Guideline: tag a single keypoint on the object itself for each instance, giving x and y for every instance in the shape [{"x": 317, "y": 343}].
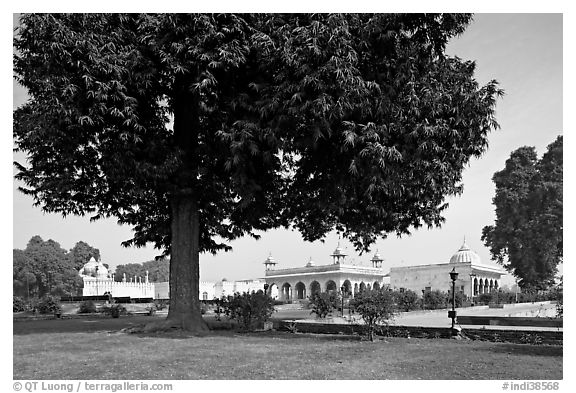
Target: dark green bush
[
  {"x": 376, "y": 307},
  {"x": 323, "y": 303},
  {"x": 485, "y": 298},
  {"x": 250, "y": 310},
  {"x": 436, "y": 299},
  {"x": 407, "y": 300},
  {"x": 49, "y": 305},
  {"x": 87, "y": 306},
  {"x": 19, "y": 304},
  {"x": 114, "y": 310}
]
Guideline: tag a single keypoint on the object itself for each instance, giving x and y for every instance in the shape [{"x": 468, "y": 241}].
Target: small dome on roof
[
  {"x": 270, "y": 259},
  {"x": 310, "y": 263},
  {"x": 377, "y": 256},
  {"x": 338, "y": 251},
  {"x": 465, "y": 255}
]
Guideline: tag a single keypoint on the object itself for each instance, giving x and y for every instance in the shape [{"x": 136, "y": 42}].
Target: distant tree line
[
  {"x": 45, "y": 268},
  {"x": 158, "y": 270}
]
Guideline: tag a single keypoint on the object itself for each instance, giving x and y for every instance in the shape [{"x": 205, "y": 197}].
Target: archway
[
  {"x": 355, "y": 289},
  {"x": 330, "y": 286},
  {"x": 300, "y": 290},
  {"x": 475, "y": 287},
  {"x": 347, "y": 287},
  {"x": 480, "y": 287},
  {"x": 286, "y": 292},
  {"x": 376, "y": 286},
  {"x": 486, "y": 287},
  {"x": 273, "y": 291},
  {"x": 362, "y": 287},
  {"x": 368, "y": 287},
  {"x": 491, "y": 286},
  {"x": 315, "y": 288}
]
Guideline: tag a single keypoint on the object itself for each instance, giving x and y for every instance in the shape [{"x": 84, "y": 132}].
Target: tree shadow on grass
[{"x": 525, "y": 349}]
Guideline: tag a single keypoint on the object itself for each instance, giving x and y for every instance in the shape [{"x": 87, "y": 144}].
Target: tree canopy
[
  {"x": 158, "y": 270},
  {"x": 527, "y": 235},
  {"x": 353, "y": 122},
  {"x": 45, "y": 268}
]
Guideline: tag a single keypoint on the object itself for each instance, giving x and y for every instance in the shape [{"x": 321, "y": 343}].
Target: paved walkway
[{"x": 439, "y": 318}]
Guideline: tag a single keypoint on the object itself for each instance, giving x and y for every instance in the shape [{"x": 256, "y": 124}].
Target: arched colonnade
[{"x": 303, "y": 289}]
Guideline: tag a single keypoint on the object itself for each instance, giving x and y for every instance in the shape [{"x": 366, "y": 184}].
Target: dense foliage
[
  {"x": 49, "y": 305},
  {"x": 376, "y": 307},
  {"x": 250, "y": 310},
  {"x": 45, "y": 268},
  {"x": 158, "y": 270},
  {"x": 353, "y": 122},
  {"x": 527, "y": 237},
  {"x": 323, "y": 303},
  {"x": 435, "y": 299},
  {"x": 407, "y": 300}
]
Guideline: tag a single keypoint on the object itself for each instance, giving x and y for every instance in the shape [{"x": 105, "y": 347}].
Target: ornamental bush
[
  {"x": 250, "y": 310},
  {"x": 407, "y": 300},
  {"x": 436, "y": 299},
  {"x": 323, "y": 303},
  {"x": 376, "y": 307},
  {"x": 49, "y": 305},
  {"x": 19, "y": 304},
  {"x": 87, "y": 306}
]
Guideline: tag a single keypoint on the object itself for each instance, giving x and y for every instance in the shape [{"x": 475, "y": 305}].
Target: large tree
[
  {"x": 527, "y": 235},
  {"x": 358, "y": 123},
  {"x": 82, "y": 253},
  {"x": 44, "y": 268}
]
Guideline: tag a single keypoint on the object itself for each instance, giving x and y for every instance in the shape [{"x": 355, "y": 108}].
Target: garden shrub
[
  {"x": 376, "y": 307},
  {"x": 407, "y": 300},
  {"x": 19, "y": 304},
  {"x": 114, "y": 310},
  {"x": 160, "y": 304},
  {"x": 250, "y": 310},
  {"x": 49, "y": 305},
  {"x": 323, "y": 303},
  {"x": 87, "y": 306},
  {"x": 485, "y": 298},
  {"x": 436, "y": 299}
]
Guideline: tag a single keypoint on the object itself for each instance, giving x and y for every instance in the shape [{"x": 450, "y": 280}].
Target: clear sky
[{"x": 522, "y": 51}]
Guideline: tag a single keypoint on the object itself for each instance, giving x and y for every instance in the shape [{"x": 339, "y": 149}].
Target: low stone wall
[{"x": 495, "y": 335}]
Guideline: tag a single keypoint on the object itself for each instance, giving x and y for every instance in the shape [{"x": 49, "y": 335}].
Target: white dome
[
  {"x": 465, "y": 255},
  {"x": 310, "y": 263},
  {"x": 94, "y": 269}
]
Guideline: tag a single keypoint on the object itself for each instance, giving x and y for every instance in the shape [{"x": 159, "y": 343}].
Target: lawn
[{"x": 95, "y": 349}]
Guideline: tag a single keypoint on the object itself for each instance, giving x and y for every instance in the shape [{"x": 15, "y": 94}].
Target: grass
[{"x": 95, "y": 349}]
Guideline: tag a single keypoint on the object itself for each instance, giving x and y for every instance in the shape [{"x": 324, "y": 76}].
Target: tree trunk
[{"x": 184, "y": 312}]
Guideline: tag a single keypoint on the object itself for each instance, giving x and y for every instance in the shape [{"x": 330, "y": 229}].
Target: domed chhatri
[
  {"x": 310, "y": 263},
  {"x": 94, "y": 269},
  {"x": 270, "y": 262},
  {"x": 338, "y": 255},
  {"x": 465, "y": 255}
]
